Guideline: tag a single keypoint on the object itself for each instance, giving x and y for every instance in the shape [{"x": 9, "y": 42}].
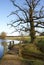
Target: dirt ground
[{"x": 11, "y": 60}]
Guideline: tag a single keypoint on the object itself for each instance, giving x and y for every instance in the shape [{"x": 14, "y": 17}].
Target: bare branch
[
  {"x": 39, "y": 26},
  {"x": 19, "y": 8},
  {"x": 16, "y": 21},
  {"x": 36, "y": 18},
  {"x": 37, "y": 31},
  {"x": 28, "y": 3},
  {"x": 36, "y": 3}
]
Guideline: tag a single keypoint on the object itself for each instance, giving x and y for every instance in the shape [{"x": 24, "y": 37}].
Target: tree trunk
[
  {"x": 32, "y": 29},
  {"x": 32, "y": 32}
]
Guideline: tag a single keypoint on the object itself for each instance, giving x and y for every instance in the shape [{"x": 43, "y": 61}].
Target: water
[
  {"x": 2, "y": 47},
  {"x": 15, "y": 41},
  {"x": 8, "y": 41},
  {"x": 1, "y": 51}
]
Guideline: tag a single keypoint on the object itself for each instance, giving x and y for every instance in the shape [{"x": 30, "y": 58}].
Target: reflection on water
[
  {"x": 4, "y": 45},
  {"x": 8, "y": 41},
  {"x": 1, "y": 41},
  {"x": 15, "y": 41},
  {"x": 1, "y": 51}
]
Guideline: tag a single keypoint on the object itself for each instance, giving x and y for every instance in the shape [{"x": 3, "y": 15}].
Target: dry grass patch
[{"x": 10, "y": 57}]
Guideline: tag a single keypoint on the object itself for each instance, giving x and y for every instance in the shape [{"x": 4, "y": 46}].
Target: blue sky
[{"x": 6, "y": 8}]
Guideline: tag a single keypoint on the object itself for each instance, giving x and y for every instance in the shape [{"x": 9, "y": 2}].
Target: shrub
[{"x": 41, "y": 45}]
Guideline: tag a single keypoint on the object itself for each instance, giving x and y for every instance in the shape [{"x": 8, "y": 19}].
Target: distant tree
[
  {"x": 4, "y": 43},
  {"x": 29, "y": 16},
  {"x": 3, "y": 35}
]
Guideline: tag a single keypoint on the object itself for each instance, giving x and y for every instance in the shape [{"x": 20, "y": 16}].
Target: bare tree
[{"x": 29, "y": 17}]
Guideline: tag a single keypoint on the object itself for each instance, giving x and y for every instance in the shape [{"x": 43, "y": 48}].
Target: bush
[
  {"x": 38, "y": 62},
  {"x": 41, "y": 45},
  {"x": 33, "y": 62},
  {"x": 31, "y": 48}
]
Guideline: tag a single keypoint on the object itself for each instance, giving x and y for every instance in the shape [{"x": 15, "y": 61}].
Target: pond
[
  {"x": 12, "y": 41},
  {"x": 2, "y": 48},
  {"x": 8, "y": 41},
  {"x": 1, "y": 51}
]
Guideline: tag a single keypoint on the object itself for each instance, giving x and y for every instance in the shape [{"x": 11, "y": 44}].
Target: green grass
[
  {"x": 31, "y": 48},
  {"x": 20, "y": 37},
  {"x": 40, "y": 45},
  {"x": 33, "y": 62}
]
